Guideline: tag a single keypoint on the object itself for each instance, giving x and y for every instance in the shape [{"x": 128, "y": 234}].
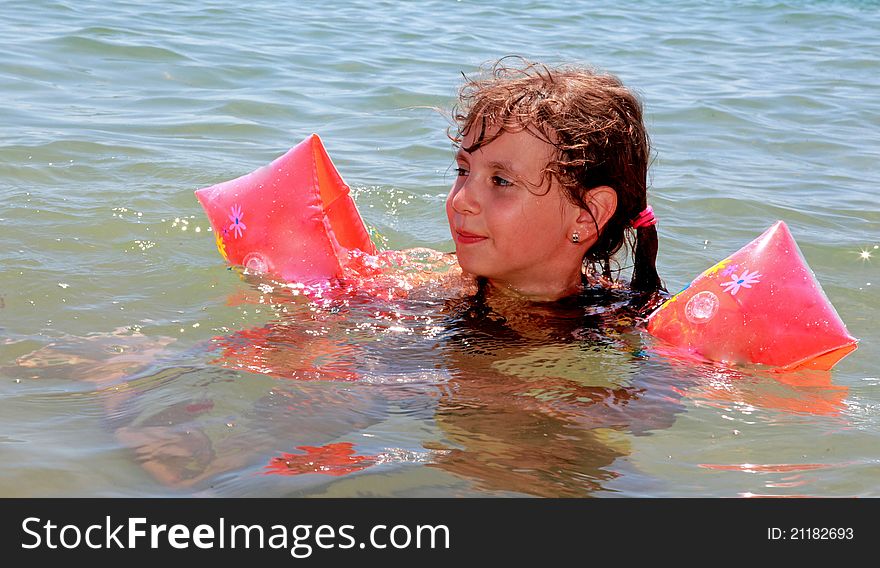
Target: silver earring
[{"x": 575, "y": 237}]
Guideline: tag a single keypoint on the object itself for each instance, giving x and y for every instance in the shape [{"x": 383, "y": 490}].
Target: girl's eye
[
  {"x": 461, "y": 172},
  {"x": 500, "y": 181}
]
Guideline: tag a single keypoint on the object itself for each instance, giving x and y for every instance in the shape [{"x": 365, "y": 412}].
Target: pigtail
[{"x": 645, "y": 277}]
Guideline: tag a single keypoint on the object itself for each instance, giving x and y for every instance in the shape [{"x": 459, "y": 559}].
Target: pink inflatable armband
[
  {"x": 293, "y": 218},
  {"x": 760, "y": 305}
]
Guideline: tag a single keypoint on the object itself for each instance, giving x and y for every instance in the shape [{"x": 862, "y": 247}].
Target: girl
[
  {"x": 552, "y": 167},
  {"x": 551, "y": 182}
]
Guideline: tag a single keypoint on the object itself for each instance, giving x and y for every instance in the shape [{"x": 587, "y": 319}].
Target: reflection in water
[
  {"x": 533, "y": 398},
  {"x": 518, "y": 398},
  {"x": 191, "y": 442},
  {"x": 801, "y": 391},
  {"x": 542, "y": 398},
  {"x": 331, "y": 459}
]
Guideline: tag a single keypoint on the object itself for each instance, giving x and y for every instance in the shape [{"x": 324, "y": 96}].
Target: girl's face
[{"x": 510, "y": 223}]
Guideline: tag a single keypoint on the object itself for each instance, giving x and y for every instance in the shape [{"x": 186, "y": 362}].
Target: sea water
[{"x": 134, "y": 362}]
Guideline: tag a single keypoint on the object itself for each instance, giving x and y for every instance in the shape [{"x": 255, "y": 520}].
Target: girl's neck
[{"x": 543, "y": 292}]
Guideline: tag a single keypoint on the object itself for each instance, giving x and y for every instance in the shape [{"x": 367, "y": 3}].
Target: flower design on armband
[
  {"x": 744, "y": 280},
  {"x": 237, "y": 227}
]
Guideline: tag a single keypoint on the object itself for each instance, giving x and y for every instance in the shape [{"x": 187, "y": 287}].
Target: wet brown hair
[{"x": 596, "y": 125}]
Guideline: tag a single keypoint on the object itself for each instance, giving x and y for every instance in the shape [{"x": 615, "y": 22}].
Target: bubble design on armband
[
  {"x": 256, "y": 264},
  {"x": 702, "y": 307}
]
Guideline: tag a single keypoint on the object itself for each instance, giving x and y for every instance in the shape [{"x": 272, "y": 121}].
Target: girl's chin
[{"x": 468, "y": 265}]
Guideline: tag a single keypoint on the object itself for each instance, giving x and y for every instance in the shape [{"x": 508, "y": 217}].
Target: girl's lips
[{"x": 468, "y": 238}]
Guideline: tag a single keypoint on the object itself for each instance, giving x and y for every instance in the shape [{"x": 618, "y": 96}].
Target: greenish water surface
[{"x": 133, "y": 362}]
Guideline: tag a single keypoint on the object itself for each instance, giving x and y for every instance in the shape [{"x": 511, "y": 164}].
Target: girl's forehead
[{"x": 522, "y": 146}]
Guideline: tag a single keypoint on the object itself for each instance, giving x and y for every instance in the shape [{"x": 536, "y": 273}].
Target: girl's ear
[{"x": 602, "y": 203}]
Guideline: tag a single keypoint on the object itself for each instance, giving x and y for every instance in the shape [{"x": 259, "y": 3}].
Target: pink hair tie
[{"x": 644, "y": 219}]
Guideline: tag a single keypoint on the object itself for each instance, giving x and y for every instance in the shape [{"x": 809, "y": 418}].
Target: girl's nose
[{"x": 464, "y": 199}]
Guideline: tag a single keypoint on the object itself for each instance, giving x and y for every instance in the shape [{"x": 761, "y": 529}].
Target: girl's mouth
[{"x": 466, "y": 238}]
